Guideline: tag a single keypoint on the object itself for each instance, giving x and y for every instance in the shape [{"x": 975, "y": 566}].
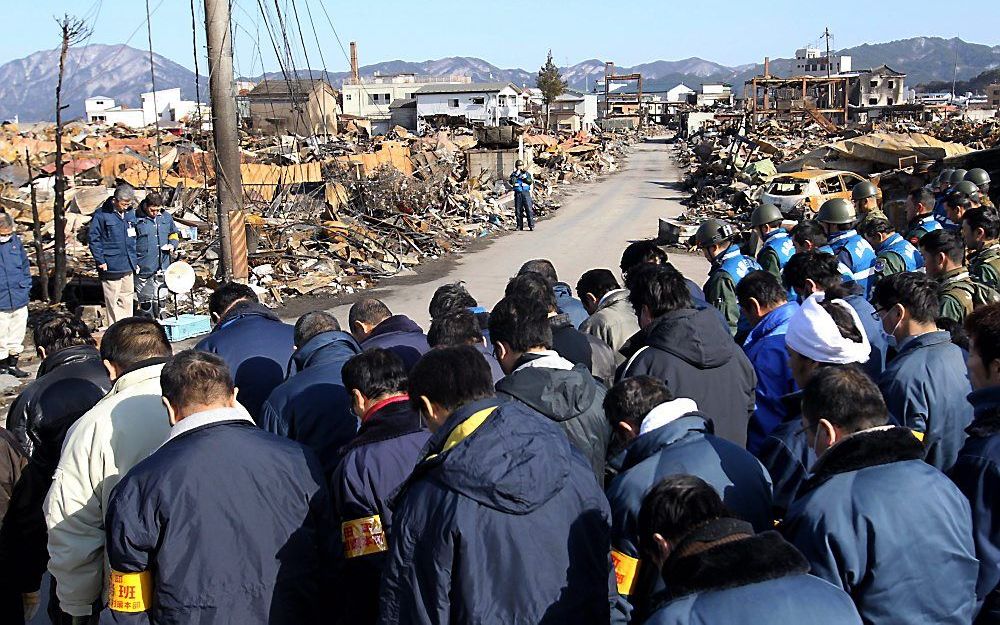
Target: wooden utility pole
[
  {"x": 73, "y": 31},
  {"x": 229, "y": 185},
  {"x": 36, "y": 228}
]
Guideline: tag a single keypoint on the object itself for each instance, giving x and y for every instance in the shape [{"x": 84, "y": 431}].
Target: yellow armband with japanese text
[
  {"x": 626, "y": 568},
  {"x": 130, "y": 592}
]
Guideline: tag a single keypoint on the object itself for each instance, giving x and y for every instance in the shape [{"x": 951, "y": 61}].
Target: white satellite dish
[{"x": 179, "y": 277}]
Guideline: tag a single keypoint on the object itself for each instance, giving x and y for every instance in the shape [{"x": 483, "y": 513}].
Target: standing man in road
[
  {"x": 920, "y": 215},
  {"x": 959, "y": 294},
  {"x": 112, "y": 243},
  {"x": 893, "y": 253},
  {"x": 715, "y": 240},
  {"x": 776, "y": 244},
  {"x": 15, "y": 284},
  {"x": 521, "y": 180},
  {"x": 156, "y": 240}
]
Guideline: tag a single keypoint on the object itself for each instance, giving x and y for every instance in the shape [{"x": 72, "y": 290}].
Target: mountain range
[{"x": 27, "y": 85}]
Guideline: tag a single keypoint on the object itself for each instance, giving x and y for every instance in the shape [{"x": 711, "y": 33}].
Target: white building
[
  {"x": 476, "y": 103},
  {"x": 371, "y": 97},
  {"x": 680, "y": 93},
  {"x": 164, "y": 105},
  {"x": 715, "y": 93},
  {"x": 813, "y": 62}
]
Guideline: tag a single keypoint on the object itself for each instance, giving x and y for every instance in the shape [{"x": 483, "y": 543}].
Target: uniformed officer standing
[
  {"x": 980, "y": 230},
  {"x": 981, "y": 179},
  {"x": 15, "y": 284},
  {"x": 942, "y": 184},
  {"x": 838, "y": 217},
  {"x": 521, "y": 180},
  {"x": 715, "y": 240},
  {"x": 865, "y": 198},
  {"x": 893, "y": 253},
  {"x": 777, "y": 246},
  {"x": 944, "y": 255},
  {"x": 962, "y": 197},
  {"x": 920, "y": 215}
]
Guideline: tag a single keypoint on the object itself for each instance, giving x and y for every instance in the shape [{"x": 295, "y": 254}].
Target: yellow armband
[
  {"x": 130, "y": 592},
  {"x": 626, "y": 568},
  {"x": 363, "y": 537}
]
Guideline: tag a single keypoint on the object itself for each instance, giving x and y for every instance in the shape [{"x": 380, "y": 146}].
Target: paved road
[{"x": 590, "y": 231}]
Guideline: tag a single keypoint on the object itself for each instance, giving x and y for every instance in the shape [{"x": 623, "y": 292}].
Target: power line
[
  {"x": 344, "y": 52},
  {"x": 312, "y": 83}
]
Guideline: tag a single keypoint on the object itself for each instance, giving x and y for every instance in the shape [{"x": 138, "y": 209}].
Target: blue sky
[{"x": 510, "y": 34}]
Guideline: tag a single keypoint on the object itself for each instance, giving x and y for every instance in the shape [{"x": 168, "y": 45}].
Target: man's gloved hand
[
  {"x": 30, "y": 601},
  {"x": 166, "y": 247}
]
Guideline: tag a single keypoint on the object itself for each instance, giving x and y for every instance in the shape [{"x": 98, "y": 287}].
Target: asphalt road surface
[{"x": 589, "y": 231}]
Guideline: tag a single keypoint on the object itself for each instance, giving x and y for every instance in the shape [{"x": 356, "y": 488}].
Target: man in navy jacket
[
  {"x": 15, "y": 284},
  {"x": 502, "y": 521},
  {"x": 373, "y": 325},
  {"x": 977, "y": 469},
  {"x": 312, "y": 406},
  {"x": 925, "y": 385},
  {"x": 873, "y": 517},
  {"x": 375, "y": 463},
  {"x": 112, "y": 244},
  {"x": 224, "y": 523},
  {"x": 716, "y": 569},
  {"x": 668, "y": 436},
  {"x": 253, "y": 341}
]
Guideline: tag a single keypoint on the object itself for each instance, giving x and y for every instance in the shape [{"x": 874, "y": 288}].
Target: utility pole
[
  {"x": 229, "y": 185},
  {"x": 826, "y": 35}
]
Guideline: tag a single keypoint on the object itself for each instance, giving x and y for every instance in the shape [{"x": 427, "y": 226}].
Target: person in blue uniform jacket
[
  {"x": 977, "y": 469},
  {"x": 312, "y": 406},
  {"x": 764, "y": 304},
  {"x": 873, "y": 517},
  {"x": 668, "y": 436},
  {"x": 717, "y": 570},
  {"x": 838, "y": 217},
  {"x": 502, "y": 521},
  {"x": 254, "y": 342},
  {"x": 375, "y": 463},
  {"x": 224, "y": 523},
  {"x": 822, "y": 333},
  {"x": 925, "y": 385}
]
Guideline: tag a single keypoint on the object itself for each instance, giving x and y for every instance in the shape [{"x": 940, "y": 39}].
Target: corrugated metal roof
[{"x": 472, "y": 87}]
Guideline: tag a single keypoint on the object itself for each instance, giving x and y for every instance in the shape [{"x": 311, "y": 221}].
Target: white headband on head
[{"x": 813, "y": 333}]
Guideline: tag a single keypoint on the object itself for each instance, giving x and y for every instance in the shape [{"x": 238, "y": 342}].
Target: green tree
[{"x": 551, "y": 83}]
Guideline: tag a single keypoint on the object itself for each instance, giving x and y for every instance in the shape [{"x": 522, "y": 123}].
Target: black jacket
[
  {"x": 697, "y": 358},
  {"x": 69, "y": 383},
  {"x": 582, "y": 349},
  {"x": 746, "y": 578},
  {"x": 570, "y": 397}
]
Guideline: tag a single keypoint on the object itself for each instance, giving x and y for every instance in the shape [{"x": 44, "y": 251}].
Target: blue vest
[
  {"x": 733, "y": 262},
  {"x": 779, "y": 241},
  {"x": 896, "y": 243},
  {"x": 857, "y": 255},
  {"x": 845, "y": 271}
]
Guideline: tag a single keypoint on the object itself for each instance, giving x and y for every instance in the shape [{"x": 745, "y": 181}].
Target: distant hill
[
  {"x": 973, "y": 85},
  {"x": 27, "y": 86}
]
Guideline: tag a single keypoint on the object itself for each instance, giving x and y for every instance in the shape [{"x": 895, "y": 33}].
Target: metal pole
[{"x": 229, "y": 185}]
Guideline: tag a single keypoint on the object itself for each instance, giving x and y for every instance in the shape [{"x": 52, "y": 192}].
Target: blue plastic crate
[{"x": 186, "y": 326}]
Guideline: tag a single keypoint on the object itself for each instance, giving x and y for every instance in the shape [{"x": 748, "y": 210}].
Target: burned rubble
[{"x": 324, "y": 215}]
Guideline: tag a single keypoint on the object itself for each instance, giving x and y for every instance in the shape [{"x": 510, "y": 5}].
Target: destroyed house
[
  {"x": 879, "y": 86},
  {"x": 486, "y": 104},
  {"x": 573, "y": 111},
  {"x": 301, "y": 107}
]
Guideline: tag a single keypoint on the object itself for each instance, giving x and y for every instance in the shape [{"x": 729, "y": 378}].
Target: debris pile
[
  {"x": 324, "y": 215},
  {"x": 729, "y": 163}
]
